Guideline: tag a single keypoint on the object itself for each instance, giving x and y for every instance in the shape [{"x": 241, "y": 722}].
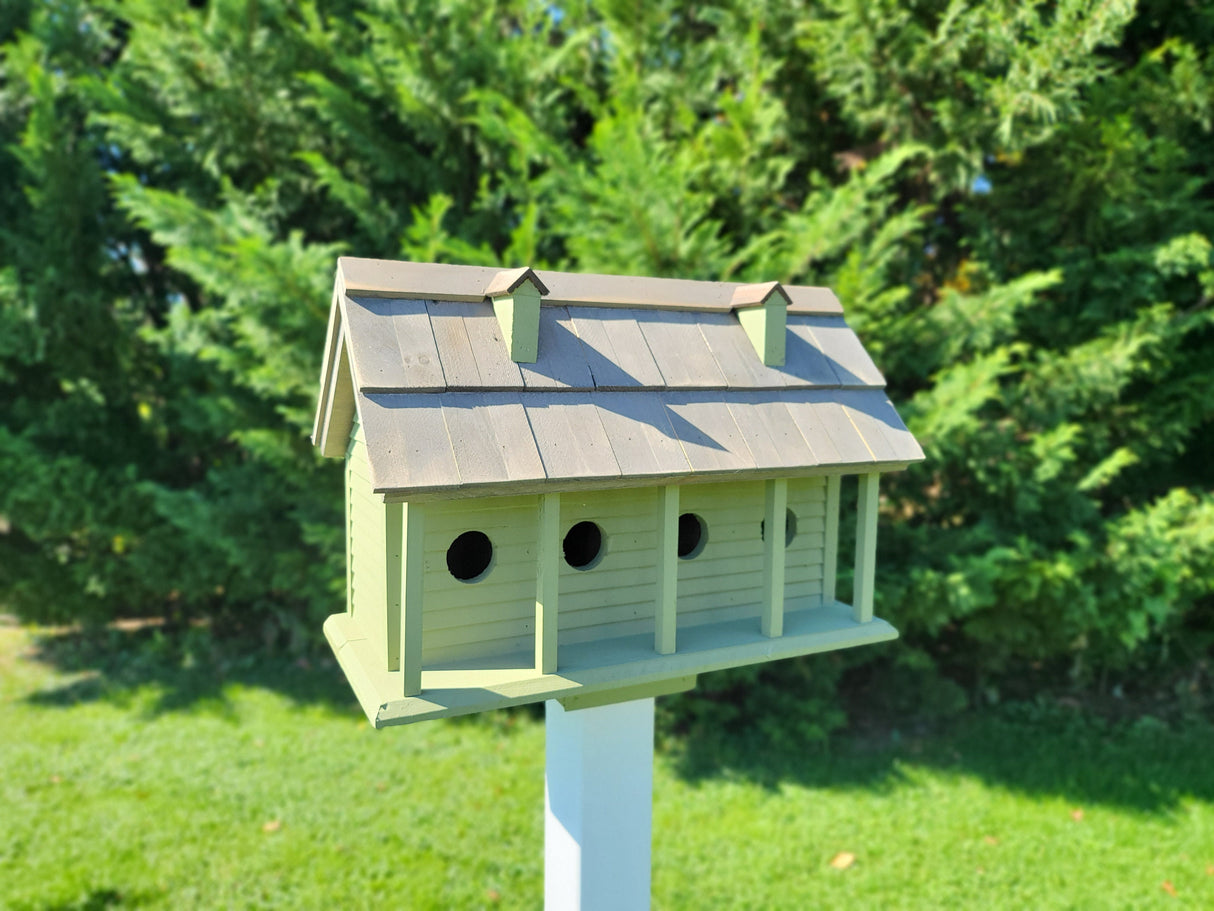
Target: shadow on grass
[
  {"x": 1040, "y": 749},
  {"x": 1036, "y": 749},
  {"x": 184, "y": 671},
  {"x": 93, "y": 900},
  {"x": 190, "y": 671}
]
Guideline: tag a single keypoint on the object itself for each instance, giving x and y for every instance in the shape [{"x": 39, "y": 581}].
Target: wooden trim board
[{"x": 440, "y": 281}]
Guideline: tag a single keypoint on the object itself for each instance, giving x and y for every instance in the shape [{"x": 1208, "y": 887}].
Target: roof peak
[
  {"x": 510, "y": 280},
  {"x": 440, "y": 281}
]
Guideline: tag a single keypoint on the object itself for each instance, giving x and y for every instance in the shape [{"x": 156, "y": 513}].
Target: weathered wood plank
[
  {"x": 616, "y": 350},
  {"x": 561, "y": 362},
  {"x": 640, "y": 435},
  {"x": 858, "y": 408},
  {"x": 507, "y": 420},
  {"x": 804, "y": 362},
  {"x": 847, "y": 357},
  {"x": 407, "y": 441},
  {"x": 410, "y": 324},
  {"x": 874, "y": 414},
  {"x": 570, "y": 437},
  {"x": 372, "y": 344},
  {"x": 735, "y": 355},
  {"x": 547, "y": 583},
  {"x": 680, "y": 350},
  {"x": 829, "y": 430},
  {"x": 666, "y": 552},
  {"x": 477, "y": 454},
  {"x": 455, "y": 352},
  {"x": 770, "y": 432},
  {"x": 866, "y": 547},
  {"x": 775, "y": 505},
  {"x": 710, "y": 438},
  {"x": 492, "y": 357}
]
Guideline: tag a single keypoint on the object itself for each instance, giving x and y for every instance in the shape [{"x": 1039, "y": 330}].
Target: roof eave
[{"x": 565, "y": 485}]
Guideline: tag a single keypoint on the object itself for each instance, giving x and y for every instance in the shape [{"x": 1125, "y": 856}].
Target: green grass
[{"x": 151, "y": 777}]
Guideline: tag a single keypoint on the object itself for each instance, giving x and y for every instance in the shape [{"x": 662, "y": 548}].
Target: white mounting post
[{"x": 598, "y": 806}]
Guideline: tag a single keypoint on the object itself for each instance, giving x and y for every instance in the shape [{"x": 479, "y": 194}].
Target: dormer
[
  {"x": 515, "y": 294},
  {"x": 763, "y": 312}
]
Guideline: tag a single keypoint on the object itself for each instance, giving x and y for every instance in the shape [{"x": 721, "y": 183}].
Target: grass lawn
[{"x": 133, "y": 780}]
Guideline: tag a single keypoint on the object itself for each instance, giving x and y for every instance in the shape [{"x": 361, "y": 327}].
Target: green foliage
[{"x": 1013, "y": 201}]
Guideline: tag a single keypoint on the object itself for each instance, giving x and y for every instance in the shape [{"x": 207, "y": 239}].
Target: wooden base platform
[{"x": 593, "y": 673}]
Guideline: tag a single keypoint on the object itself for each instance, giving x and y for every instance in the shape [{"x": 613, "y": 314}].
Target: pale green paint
[
  {"x": 775, "y": 506},
  {"x": 371, "y": 601},
  {"x": 499, "y": 629},
  {"x": 803, "y": 558},
  {"x": 725, "y": 580},
  {"x": 547, "y": 583},
  {"x": 336, "y": 410},
  {"x": 392, "y": 517},
  {"x": 412, "y": 595},
  {"x": 348, "y": 498},
  {"x": 627, "y": 567},
  {"x": 628, "y": 693},
  {"x": 866, "y": 547},
  {"x": 766, "y": 327},
  {"x": 519, "y": 316},
  {"x": 496, "y": 614},
  {"x": 666, "y": 552},
  {"x": 831, "y": 555},
  {"x": 588, "y": 668}
]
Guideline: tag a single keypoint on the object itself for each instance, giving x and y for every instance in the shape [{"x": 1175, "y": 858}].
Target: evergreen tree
[{"x": 1011, "y": 199}]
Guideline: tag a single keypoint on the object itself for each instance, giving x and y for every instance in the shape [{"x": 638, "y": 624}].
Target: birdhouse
[{"x": 592, "y": 488}]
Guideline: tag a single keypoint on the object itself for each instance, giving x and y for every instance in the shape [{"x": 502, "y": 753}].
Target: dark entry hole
[
  {"x": 469, "y": 556},
  {"x": 693, "y": 535},
  {"x": 583, "y": 544},
  {"x": 790, "y": 527}
]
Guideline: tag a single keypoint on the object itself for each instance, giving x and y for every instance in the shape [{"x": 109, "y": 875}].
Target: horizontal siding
[
  {"x": 728, "y": 571},
  {"x": 496, "y": 615},
  {"x": 803, "y": 559},
  {"x": 621, "y": 587}
]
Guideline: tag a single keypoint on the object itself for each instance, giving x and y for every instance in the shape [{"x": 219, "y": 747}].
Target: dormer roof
[{"x": 636, "y": 381}]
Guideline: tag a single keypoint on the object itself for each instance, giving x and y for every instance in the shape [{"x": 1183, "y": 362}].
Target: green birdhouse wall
[{"x": 592, "y": 488}]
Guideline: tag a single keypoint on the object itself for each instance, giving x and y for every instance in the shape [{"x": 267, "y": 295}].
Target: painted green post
[
  {"x": 413, "y": 537},
  {"x": 394, "y": 565},
  {"x": 547, "y": 582},
  {"x": 775, "y": 505},
  {"x": 866, "y": 547},
  {"x": 666, "y": 602},
  {"x": 830, "y": 555}
]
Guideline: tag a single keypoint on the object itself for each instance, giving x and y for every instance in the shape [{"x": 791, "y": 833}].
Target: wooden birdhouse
[{"x": 592, "y": 488}]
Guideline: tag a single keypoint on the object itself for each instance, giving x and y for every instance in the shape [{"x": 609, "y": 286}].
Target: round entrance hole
[
  {"x": 469, "y": 556},
  {"x": 693, "y": 535},
  {"x": 583, "y": 545},
  {"x": 790, "y": 527}
]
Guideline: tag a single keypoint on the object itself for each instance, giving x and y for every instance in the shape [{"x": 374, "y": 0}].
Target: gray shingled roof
[{"x": 620, "y": 395}]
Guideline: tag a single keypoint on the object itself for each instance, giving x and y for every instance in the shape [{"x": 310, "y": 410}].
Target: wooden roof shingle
[{"x": 636, "y": 381}]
